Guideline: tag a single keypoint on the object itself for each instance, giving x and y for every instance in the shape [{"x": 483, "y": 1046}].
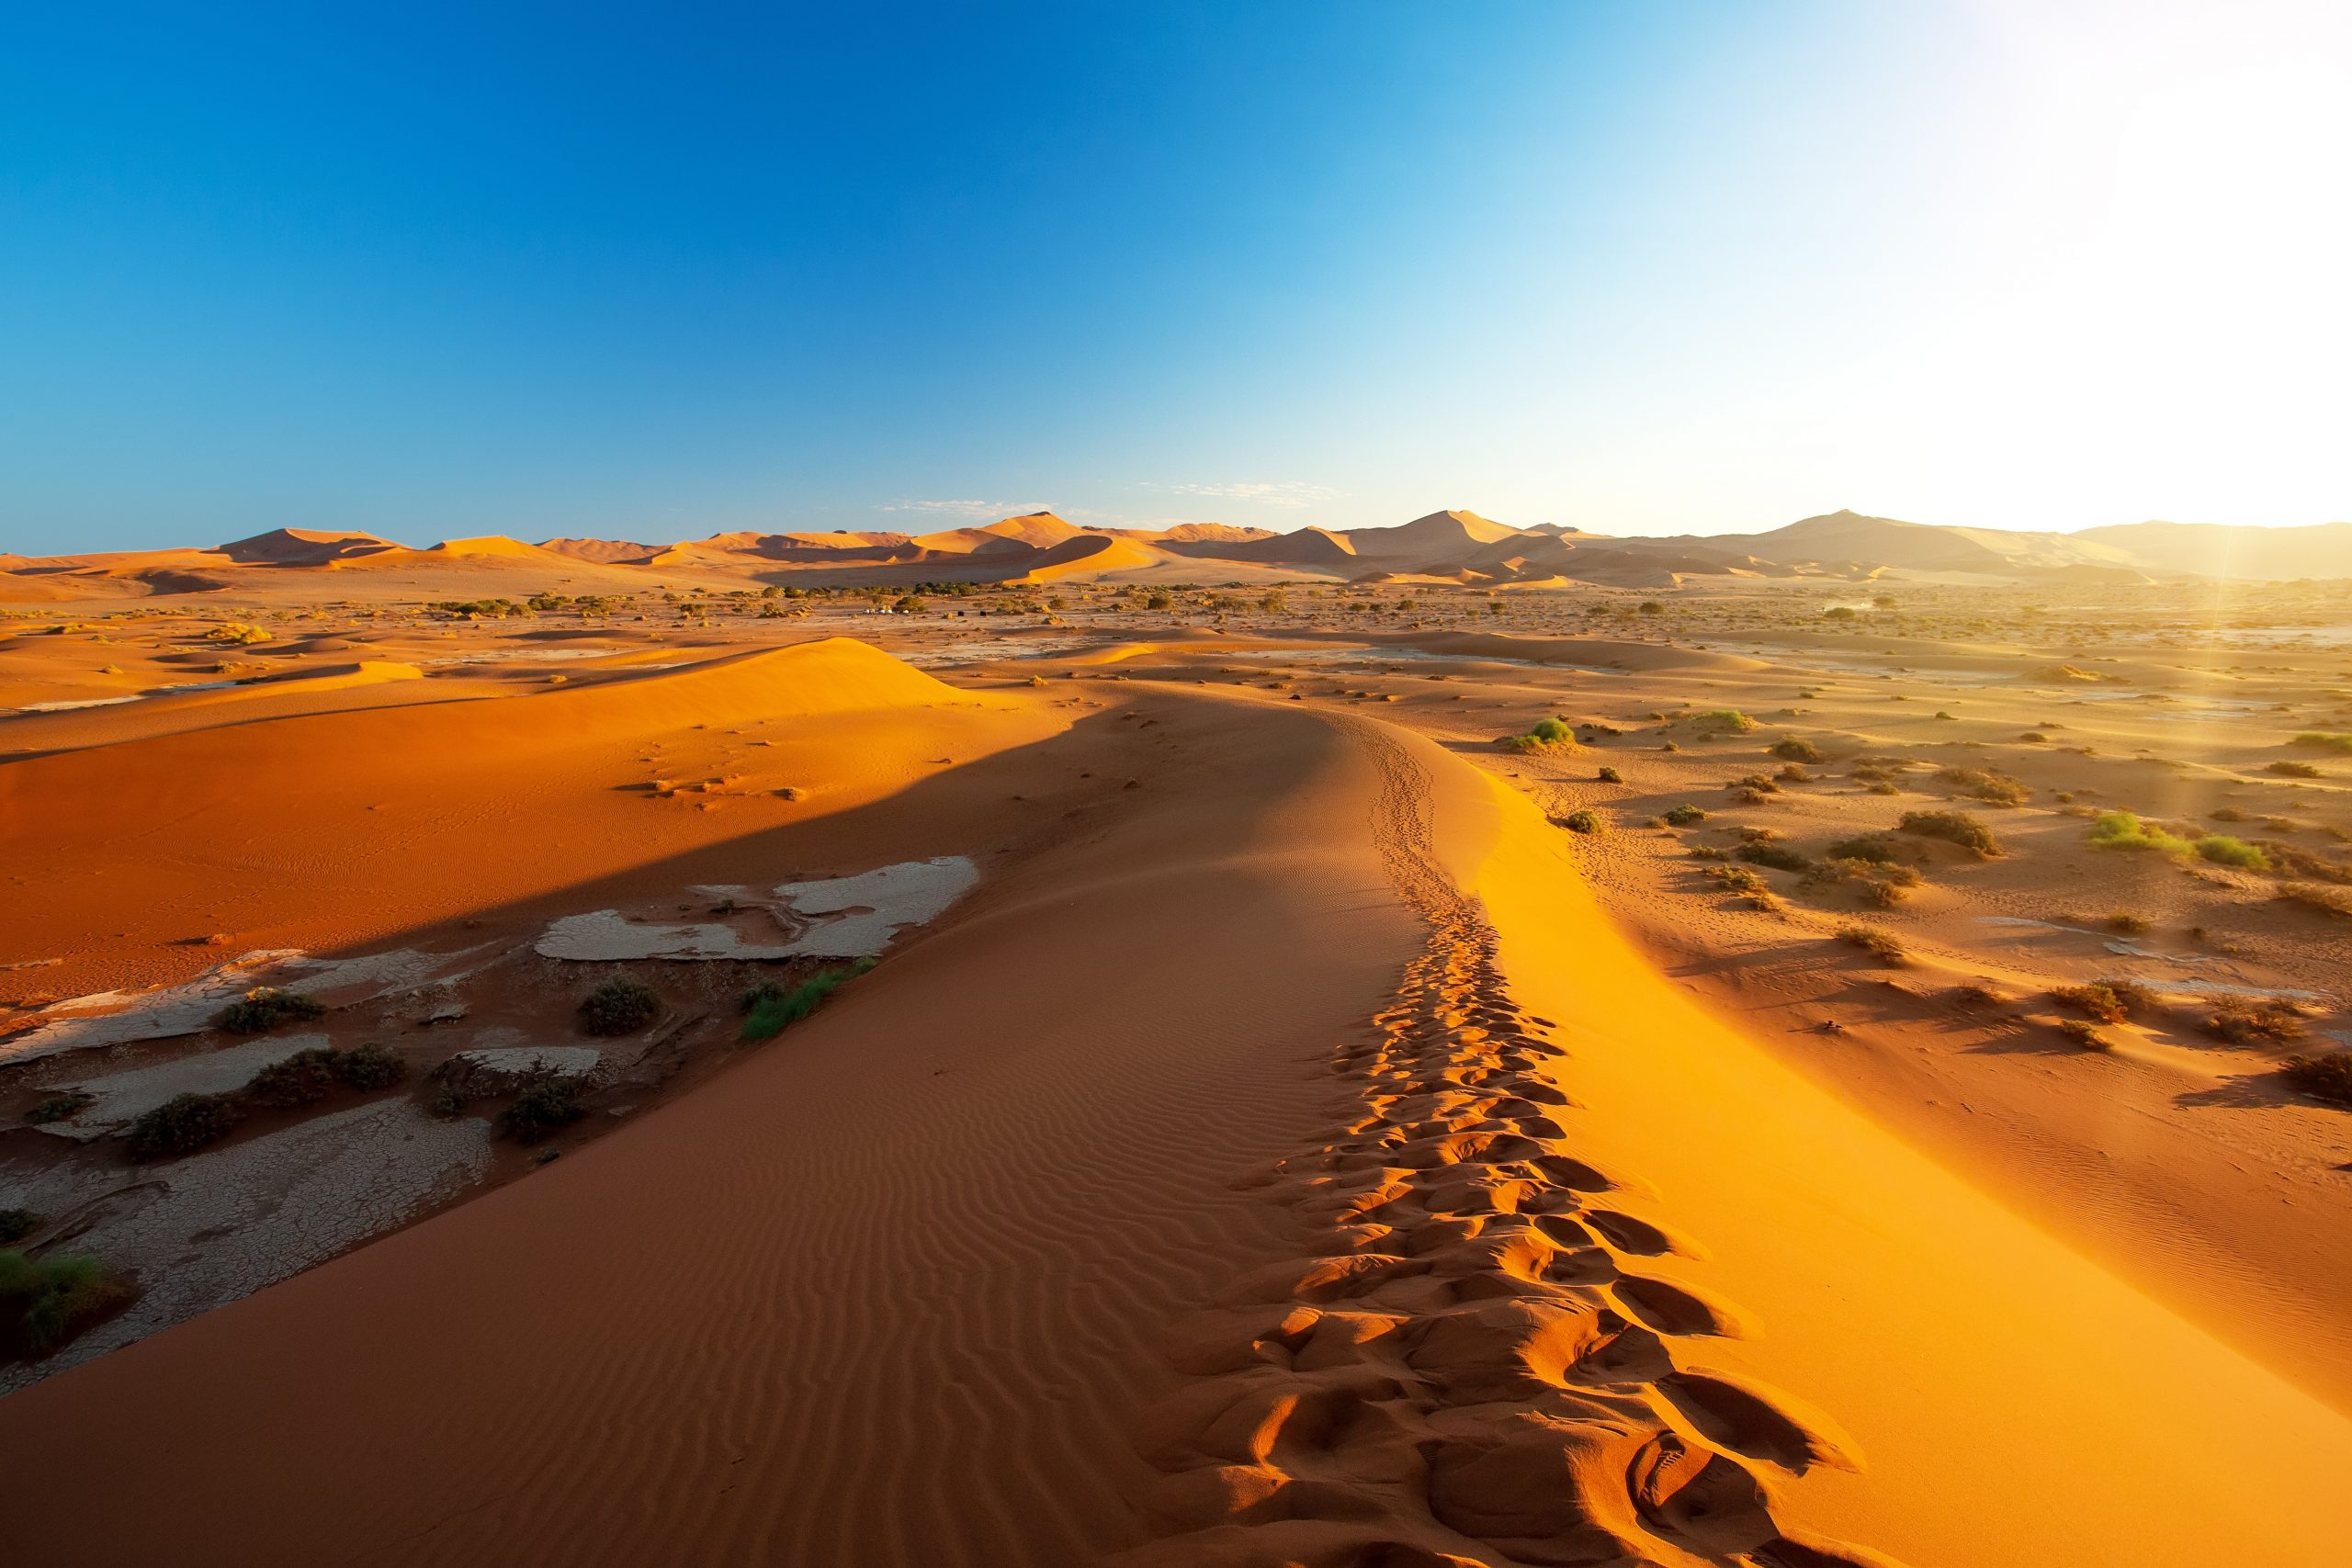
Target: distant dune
[{"x": 1453, "y": 546}]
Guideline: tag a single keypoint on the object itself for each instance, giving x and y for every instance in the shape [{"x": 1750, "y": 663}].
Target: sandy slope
[
  {"x": 1209, "y": 1187},
  {"x": 884, "y": 1294},
  {"x": 327, "y": 830},
  {"x": 2016, "y": 1403}
]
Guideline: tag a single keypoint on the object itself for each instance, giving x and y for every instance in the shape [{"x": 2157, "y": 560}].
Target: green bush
[
  {"x": 309, "y": 1076},
  {"x": 2124, "y": 830},
  {"x": 1876, "y": 848},
  {"x": 183, "y": 1124},
  {"x": 1793, "y": 750},
  {"x": 2325, "y": 742},
  {"x": 1581, "y": 821},
  {"x": 1780, "y": 857},
  {"x": 1723, "y": 721},
  {"x": 773, "y": 1009},
  {"x": 58, "y": 1107},
  {"x": 619, "y": 1006},
  {"x": 2292, "y": 769},
  {"x": 265, "y": 1008},
  {"x": 1544, "y": 734},
  {"x": 542, "y": 1107},
  {"x": 1953, "y": 827},
  {"x": 2223, "y": 849},
  {"x": 1610, "y": 775},
  {"x": 43, "y": 1303},
  {"x": 1685, "y": 815}
]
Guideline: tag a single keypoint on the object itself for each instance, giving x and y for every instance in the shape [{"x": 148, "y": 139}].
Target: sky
[{"x": 656, "y": 272}]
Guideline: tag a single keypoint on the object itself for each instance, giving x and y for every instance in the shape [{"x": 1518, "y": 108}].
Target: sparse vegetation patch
[
  {"x": 309, "y": 1075},
  {"x": 183, "y": 1124},
  {"x": 265, "y": 1008},
  {"x": 44, "y": 1303},
  {"x": 1953, "y": 827},
  {"x": 619, "y": 1006},
  {"x": 1882, "y": 945},
  {"x": 769, "y": 1010},
  {"x": 2327, "y": 1076}
]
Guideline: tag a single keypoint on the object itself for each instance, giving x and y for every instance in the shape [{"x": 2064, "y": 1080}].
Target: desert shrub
[
  {"x": 773, "y": 1009},
  {"x": 2286, "y": 769},
  {"x": 2128, "y": 923},
  {"x": 43, "y": 1303},
  {"x": 1543, "y": 736},
  {"x": 1978, "y": 996},
  {"x": 2223, "y": 849},
  {"x": 2327, "y": 1076},
  {"x": 2288, "y": 860},
  {"x": 1882, "y": 945},
  {"x": 543, "y": 1107},
  {"x": 2341, "y": 744},
  {"x": 1722, "y": 721},
  {"x": 237, "y": 633},
  {"x": 1581, "y": 821},
  {"x": 1795, "y": 749},
  {"x": 1880, "y": 885},
  {"x": 1698, "y": 851},
  {"x": 183, "y": 1124},
  {"x": 1790, "y": 773},
  {"x": 1735, "y": 878},
  {"x": 1756, "y": 782},
  {"x": 1686, "y": 814},
  {"x": 265, "y": 1008},
  {"x": 2226, "y": 814},
  {"x": 2326, "y": 900},
  {"x": 1610, "y": 775},
  {"x": 1876, "y": 848},
  {"x": 2097, "y": 999},
  {"x": 1780, "y": 857},
  {"x": 619, "y": 1007},
  {"x": 309, "y": 1076},
  {"x": 1878, "y": 770},
  {"x": 2124, "y": 830},
  {"x": 2034, "y": 737},
  {"x": 1953, "y": 827},
  {"x": 1995, "y": 789},
  {"x": 299, "y": 1079},
  {"x": 18, "y": 1224},
  {"x": 2241, "y": 1021},
  {"x": 2084, "y": 1033},
  {"x": 58, "y": 1107},
  {"x": 370, "y": 1067}
]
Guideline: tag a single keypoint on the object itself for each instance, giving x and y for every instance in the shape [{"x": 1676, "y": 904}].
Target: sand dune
[
  {"x": 1451, "y": 547},
  {"x": 1268, "y": 1154},
  {"x": 352, "y": 826}
]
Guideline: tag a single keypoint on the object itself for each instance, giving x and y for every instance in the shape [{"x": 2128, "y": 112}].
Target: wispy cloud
[
  {"x": 1279, "y": 492},
  {"x": 958, "y": 508}
]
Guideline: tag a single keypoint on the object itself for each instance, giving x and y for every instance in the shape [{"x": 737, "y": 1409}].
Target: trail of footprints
[{"x": 1477, "y": 1370}]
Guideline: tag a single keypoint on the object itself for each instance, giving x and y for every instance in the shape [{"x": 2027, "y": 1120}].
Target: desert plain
[{"x": 1450, "y": 1044}]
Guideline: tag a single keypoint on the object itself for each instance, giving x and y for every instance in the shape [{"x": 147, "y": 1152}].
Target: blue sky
[{"x": 659, "y": 272}]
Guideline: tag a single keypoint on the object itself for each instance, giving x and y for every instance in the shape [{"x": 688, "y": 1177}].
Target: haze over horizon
[{"x": 1704, "y": 270}]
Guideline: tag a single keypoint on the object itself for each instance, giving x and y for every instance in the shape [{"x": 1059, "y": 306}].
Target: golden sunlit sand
[{"x": 854, "y": 1062}]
